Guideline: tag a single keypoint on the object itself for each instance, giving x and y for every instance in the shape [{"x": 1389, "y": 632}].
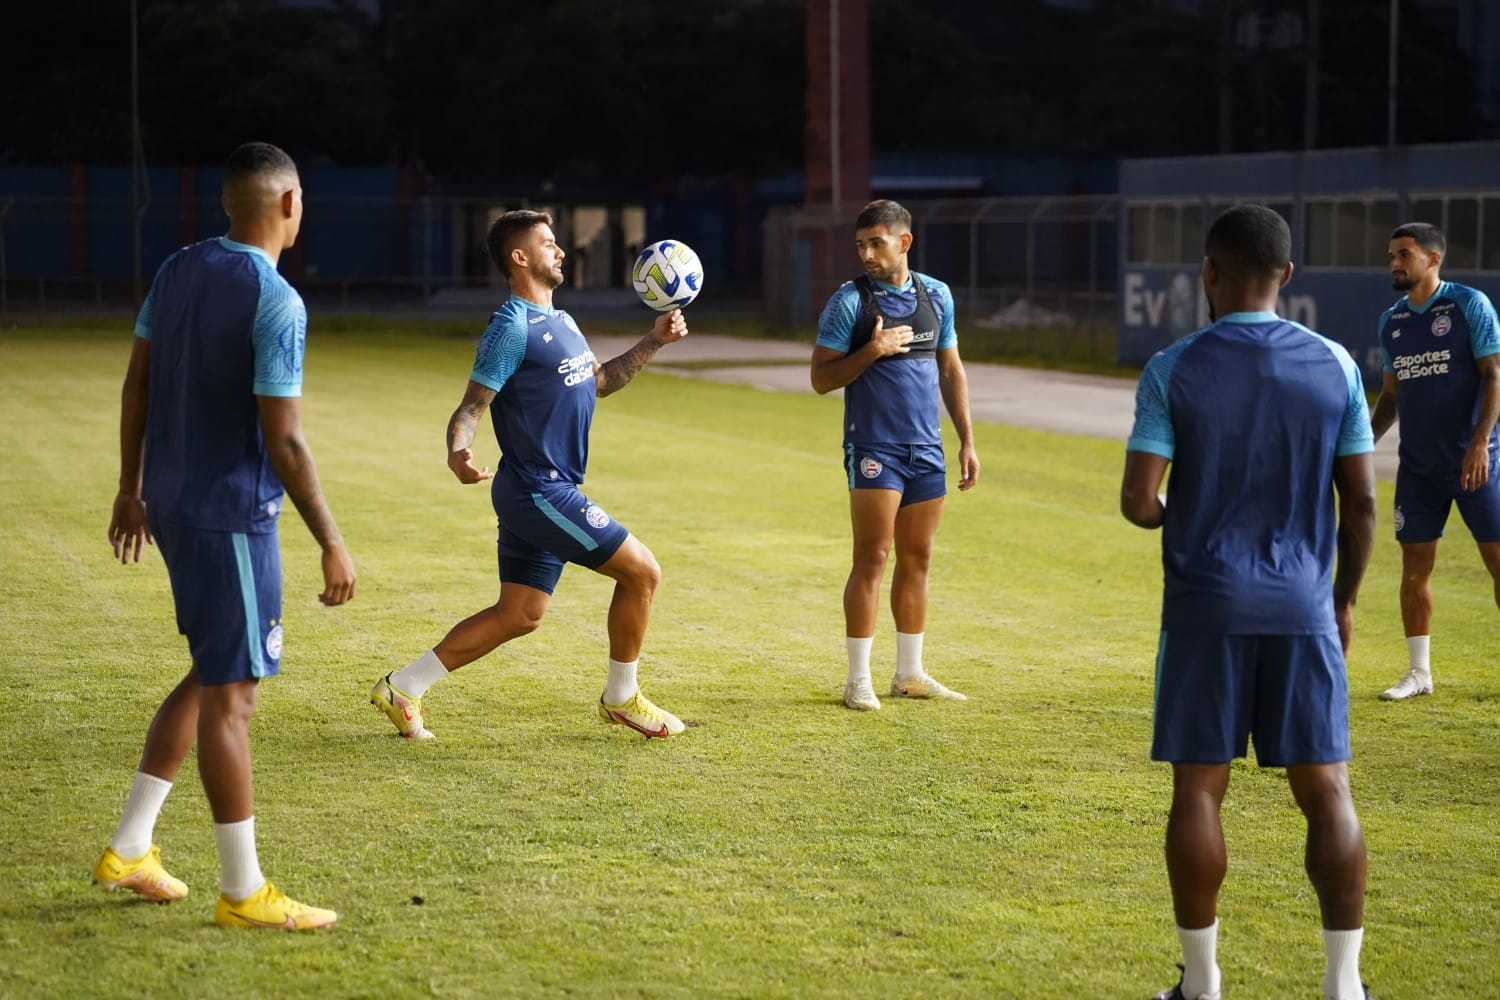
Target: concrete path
[{"x": 1089, "y": 405}]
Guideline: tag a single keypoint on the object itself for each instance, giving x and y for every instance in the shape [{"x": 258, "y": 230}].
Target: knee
[
  {"x": 229, "y": 702},
  {"x": 869, "y": 561},
  {"x": 644, "y": 575},
  {"x": 915, "y": 559}
]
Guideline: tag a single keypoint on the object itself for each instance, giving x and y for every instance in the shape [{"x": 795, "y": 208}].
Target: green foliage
[{"x": 784, "y": 846}]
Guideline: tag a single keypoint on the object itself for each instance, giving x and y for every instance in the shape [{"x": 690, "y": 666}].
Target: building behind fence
[{"x": 1098, "y": 277}]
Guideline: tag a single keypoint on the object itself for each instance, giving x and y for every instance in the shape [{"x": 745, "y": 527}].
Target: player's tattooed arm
[
  {"x": 1383, "y": 414},
  {"x": 462, "y": 428},
  {"x": 616, "y": 373}
]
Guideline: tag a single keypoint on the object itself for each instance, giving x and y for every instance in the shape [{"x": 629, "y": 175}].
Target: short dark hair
[
  {"x": 1427, "y": 236},
  {"x": 883, "y": 212},
  {"x": 1251, "y": 240},
  {"x": 255, "y": 159},
  {"x": 505, "y": 230}
]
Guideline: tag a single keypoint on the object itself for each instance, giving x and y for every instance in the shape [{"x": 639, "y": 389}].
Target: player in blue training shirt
[
  {"x": 209, "y": 441},
  {"x": 1441, "y": 344},
  {"x": 892, "y": 377},
  {"x": 1261, "y": 420},
  {"x": 536, "y": 375}
]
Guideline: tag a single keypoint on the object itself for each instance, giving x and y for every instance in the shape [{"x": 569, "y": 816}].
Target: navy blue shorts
[
  {"x": 1423, "y": 503},
  {"x": 1214, "y": 693},
  {"x": 541, "y": 531},
  {"x": 914, "y": 470},
  {"x": 227, "y": 589}
]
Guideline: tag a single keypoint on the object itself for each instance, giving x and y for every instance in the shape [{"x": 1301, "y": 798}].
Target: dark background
[{"x": 648, "y": 89}]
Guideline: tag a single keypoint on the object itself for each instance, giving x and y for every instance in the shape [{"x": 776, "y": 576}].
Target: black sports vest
[{"x": 924, "y": 321}]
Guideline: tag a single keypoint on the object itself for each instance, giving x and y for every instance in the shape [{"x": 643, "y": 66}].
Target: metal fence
[{"x": 1027, "y": 274}]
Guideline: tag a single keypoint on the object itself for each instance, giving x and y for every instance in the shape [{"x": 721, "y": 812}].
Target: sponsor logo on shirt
[
  {"x": 546, "y": 338},
  {"x": 595, "y": 516},
  {"x": 578, "y": 368},
  {"x": 537, "y": 319},
  {"x": 923, "y": 337},
  {"x": 1441, "y": 325},
  {"x": 1409, "y": 366}
]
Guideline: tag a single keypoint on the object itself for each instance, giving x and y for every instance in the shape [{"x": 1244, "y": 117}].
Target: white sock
[
  {"x": 239, "y": 868},
  {"x": 859, "y": 658},
  {"x": 1416, "y": 649},
  {"x": 909, "y": 655},
  {"x": 138, "y": 822},
  {"x": 420, "y": 674},
  {"x": 1341, "y": 981},
  {"x": 621, "y": 684},
  {"x": 1200, "y": 972}
]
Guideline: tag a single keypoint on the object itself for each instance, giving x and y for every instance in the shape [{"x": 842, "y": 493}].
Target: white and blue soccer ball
[{"x": 667, "y": 275}]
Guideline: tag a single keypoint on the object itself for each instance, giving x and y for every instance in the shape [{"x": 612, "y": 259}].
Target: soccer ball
[{"x": 667, "y": 275}]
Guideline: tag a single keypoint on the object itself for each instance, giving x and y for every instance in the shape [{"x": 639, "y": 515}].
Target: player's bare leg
[
  {"x": 872, "y": 516},
  {"x": 517, "y": 612},
  {"x": 637, "y": 575},
  {"x": 916, "y": 525},
  {"x": 173, "y": 730},
  {"x": 224, "y": 713},
  {"x": 132, "y": 860},
  {"x": 1196, "y": 864},
  {"x": 1490, "y": 553},
  {"x": 1336, "y": 863},
  {"x": 1417, "y": 560}
]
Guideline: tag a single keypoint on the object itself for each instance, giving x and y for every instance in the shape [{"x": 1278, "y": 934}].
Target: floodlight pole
[
  {"x": 1391, "y": 68},
  {"x": 135, "y": 154},
  {"x": 836, "y": 167}
]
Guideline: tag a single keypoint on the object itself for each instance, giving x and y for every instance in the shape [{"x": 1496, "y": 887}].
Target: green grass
[{"x": 784, "y": 847}]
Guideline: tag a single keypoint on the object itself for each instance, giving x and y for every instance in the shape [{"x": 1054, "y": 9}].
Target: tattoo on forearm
[
  {"x": 616, "y": 373},
  {"x": 462, "y": 427},
  {"x": 299, "y": 476}
]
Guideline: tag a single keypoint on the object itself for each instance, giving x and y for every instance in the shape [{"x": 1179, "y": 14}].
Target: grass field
[{"x": 784, "y": 846}]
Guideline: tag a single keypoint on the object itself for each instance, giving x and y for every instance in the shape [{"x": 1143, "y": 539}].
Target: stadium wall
[{"x": 1341, "y": 206}]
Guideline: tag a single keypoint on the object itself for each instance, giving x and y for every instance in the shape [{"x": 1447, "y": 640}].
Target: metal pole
[
  {"x": 1391, "y": 67},
  {"x": 1310, "y": 93},
  {"x": 135, "y": 157},
  {"x": 1226, "y": 36},
  {"x": 835, "y": 162},
  {"x": 4, "y": 275}
]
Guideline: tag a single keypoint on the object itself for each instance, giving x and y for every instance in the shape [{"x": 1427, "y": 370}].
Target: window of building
[
  {"x": 1471, "y": 224},
  {"x": 1348, "y": 232}
]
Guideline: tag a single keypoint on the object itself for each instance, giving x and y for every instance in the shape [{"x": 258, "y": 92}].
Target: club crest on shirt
[
  {"x": 595, "y": 516},
  {"x": 273, "y": 643},
  {"x": 1441, "y": 325},
  {"x": 869, "y": 468}
]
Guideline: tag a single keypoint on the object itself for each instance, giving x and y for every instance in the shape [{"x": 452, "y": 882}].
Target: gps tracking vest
[
  {"x": 895, "y": 400},
  {"x": 924, "y": 321}
]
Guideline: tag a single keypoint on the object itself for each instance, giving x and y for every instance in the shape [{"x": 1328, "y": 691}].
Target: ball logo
[
  {"x": 1441, "y": 325},
  {"x": 1399, "y": 519},
  {"x": 273, "y": 643},
  {"x": 869, "y": 468},
  {"x": 595, "y": 516}
]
